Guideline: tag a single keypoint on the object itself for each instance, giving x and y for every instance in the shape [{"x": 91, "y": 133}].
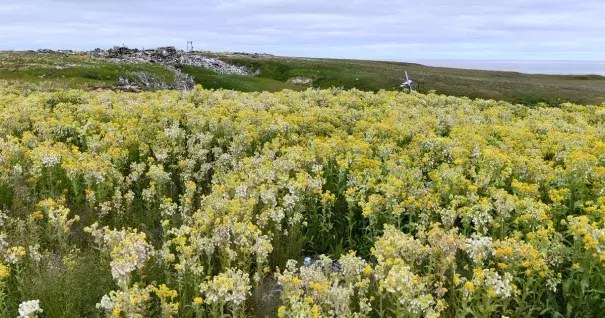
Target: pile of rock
[
  {"x": 181, "y": 80},
  {"x": 213, "y": 64},
  {"x": 57, "y": 51},
  {"x": 125, "y": 86},
  {"x": 169, "y": 55},
  {"x": 300, "y": 80}
]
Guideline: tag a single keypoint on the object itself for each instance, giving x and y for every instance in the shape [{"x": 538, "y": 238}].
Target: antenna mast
[{"x": 189, "y": 46}]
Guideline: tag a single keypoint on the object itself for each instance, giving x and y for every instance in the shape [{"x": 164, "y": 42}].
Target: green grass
[
  {"x": 375, "y": 75},
  {"x": 212, "y": 80},
  {"x": 59, "y": 71}
]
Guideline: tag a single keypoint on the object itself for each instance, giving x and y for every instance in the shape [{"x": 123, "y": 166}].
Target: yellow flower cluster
[
  {"x": 450, "y": 205},
  {"x": 4, "y": 271},
  {"x": 133, "y": 302}
]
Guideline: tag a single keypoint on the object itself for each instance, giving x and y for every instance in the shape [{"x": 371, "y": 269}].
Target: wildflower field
[{"x": 320, "y": 203}]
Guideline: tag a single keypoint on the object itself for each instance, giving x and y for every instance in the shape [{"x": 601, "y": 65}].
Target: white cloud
[{"x": 398, "y": 29}]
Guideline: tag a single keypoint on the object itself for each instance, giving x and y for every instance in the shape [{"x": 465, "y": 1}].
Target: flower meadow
[{"x": 320, "y": 203}]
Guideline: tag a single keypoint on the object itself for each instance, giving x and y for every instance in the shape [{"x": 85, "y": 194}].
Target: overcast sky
[{"x": 393, "y": 30}]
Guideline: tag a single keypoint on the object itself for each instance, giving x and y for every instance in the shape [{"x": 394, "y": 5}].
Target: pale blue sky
[{"x": 392, "y": 30}]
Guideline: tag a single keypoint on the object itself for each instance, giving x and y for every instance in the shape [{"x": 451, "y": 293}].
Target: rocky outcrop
[
  {"x": 182, "y": 81},
  {"x": 125, "y": 86},
  {"x": 300, "y": 80},
  {"x": 213, "y": 64},
  {"x": 169, "y": 55}
]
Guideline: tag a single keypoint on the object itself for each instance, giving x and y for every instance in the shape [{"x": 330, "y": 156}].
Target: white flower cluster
[
  {"x": 3, "y": 217},
  {"x": 352, "y": 265},
  {"x": 58, "y": 216},
  {"x": 132, "y": 302},
  {"x": 158, "y": 174},
  {"x": 127, "y": 248},
  {"x": 168, "y": 208},
  {"x": 395, "y": 244},
  {"x": 34, "y": 253},
  {"x": 14, "y": 254},
  {"x": 232, "y": 286},
  {"x": 50, "y": 160},
  {"x": 491, "y": 282},
  {"x": 481, "y": 215},
  {"x": 326, "y": 287},
  {"x": 501, "y": 285},
  {"x": 29, "y": 309},
  {"x": 409, "y": 289},
  {"x": 137, "y": 170},
  {"x": 191, "y": 249},
  {"x": 479, "y": 248}
]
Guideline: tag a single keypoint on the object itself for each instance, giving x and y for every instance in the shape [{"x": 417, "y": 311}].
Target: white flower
[
  {"x": 127, "y": 248},
  {"x": 34, "y": 252},
  {"x": 479, "y": 247},
  {"x": 29, "y": 309},
  {"x": 500, "y": 285},
  {"x": 50, "y": 160},
  {"x": 132, "y": 302},
  {"x": 3, "y": 217},
  {"x": 158, "y": 174},
  {"x": 231, "y": 286}
]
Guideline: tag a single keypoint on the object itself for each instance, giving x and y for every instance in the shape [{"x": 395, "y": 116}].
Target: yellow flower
[
  {"x": 4, "y": 271},
  {"x": 367, "y": 211},
  {"x": 281, "y": 312},
  {"x": 575, "y": 266},
  {"x": 470, "y": 287},
  {"x": 456, "y": 279},
  {"x": 198, "y": 300},
  {"x": 164, "y": 292},
  {"x": 37, "y": 215},
  {"x": 116, "y": 312},
  {"x": 367, "y": 270}
]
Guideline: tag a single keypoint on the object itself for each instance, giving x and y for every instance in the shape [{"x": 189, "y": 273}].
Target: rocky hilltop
[{"x": 168, "y": 57}]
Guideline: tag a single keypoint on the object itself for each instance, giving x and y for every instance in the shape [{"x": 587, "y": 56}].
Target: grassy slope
[
  {"x": 58, "y": 71},
  {"x": 375, "y": 75},
  {"x": 212, "y": 80}
]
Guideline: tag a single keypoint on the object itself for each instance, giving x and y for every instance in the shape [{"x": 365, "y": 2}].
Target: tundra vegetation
[
  {"x": 317, "y": 203},
  {"x": 169, "y": 69}
]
